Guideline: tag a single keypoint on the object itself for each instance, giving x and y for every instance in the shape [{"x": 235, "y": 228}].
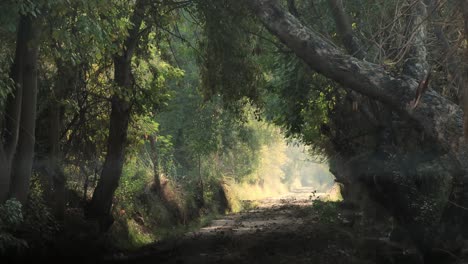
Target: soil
[{"x": 284, "y": 229}]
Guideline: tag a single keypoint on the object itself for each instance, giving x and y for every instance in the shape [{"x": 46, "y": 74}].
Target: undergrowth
[
  {"x": 327, "y": 211},
  {"x": 143, "y": 217}
]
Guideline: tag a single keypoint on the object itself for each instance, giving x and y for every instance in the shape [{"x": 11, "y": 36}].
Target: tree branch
[
  {"x": 416, "y": 62},
  {"x": 292, "y": 8},
  {"x": 464, "y": 82},
  {"x": 447, "y": 58},
  {"x": 344, "y": 28},
  {"x": 439, "y": 118}
]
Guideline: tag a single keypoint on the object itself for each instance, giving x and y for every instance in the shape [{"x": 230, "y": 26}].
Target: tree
[
  {"x": 101, "y": 203},
  {"x": 436, "y": 121},
  {"x": 20, "y": 117}
]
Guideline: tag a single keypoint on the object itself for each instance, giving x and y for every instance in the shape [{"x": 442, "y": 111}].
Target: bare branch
[{"x": 416, "y": 62}]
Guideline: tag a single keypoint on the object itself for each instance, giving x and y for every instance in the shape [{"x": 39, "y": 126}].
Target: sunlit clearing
[{"x": 286, "y": 168}]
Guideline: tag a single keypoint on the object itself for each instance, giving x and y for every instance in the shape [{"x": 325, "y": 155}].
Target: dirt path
[
  {"x": 283, "y": 229},
  {"x": 267, "y": 215}
]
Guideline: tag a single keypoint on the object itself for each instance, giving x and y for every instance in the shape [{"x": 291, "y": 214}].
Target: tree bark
[
  {"x": 4, "y": 176},
  {"x": 101, "y": 203},
  {"x": 156, "y": 170},
  {"x": 54, "y": 169},
  {"x": 66, "y": 80},
  {"x": 416, "y": 64},
  {"x": 23, "y": 159},
  {"x": 440, "y": 163},
  {"x": 370, "y": 108},
  {"x": 200, "y": 193},
  {"x": 292, "y": 8},
  {"x": 11, "y": 118},
  {"x": 464, "y": 80},
  {"x": 364, "y": 77}
]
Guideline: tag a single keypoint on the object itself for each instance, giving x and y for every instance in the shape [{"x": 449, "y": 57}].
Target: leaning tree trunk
[
  {"x": 431, "y": 171},
  {"x": 364, "y": 77},
  {"x": 101, "y": 203},
  {"x": 24, "y": 155}
]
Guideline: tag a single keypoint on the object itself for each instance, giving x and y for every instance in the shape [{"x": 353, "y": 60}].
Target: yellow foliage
[{"x": 272, "y": 158}]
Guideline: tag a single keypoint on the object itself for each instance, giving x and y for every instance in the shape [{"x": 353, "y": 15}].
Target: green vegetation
[
  {"x": 11, "y": 219},
  {"x": 327, "y": 211},
  {"x": 125, "y": 122}
]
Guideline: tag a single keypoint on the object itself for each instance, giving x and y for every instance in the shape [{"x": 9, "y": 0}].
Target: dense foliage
[
  {"x": 133, "y": 117},
  {"x": 192, "y": 95}
]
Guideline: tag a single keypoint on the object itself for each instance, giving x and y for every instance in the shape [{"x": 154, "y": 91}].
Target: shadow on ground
[{"x": 284, "y": 229}]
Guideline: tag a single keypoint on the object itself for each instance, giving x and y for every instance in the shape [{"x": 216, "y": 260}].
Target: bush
[
  {"x": 11, "y": 217},
  {"x": 40, "y": 225},
  {"x": 327, "y": 211},
  {"x": 31, "y": 227},
  {"x": 11, "y": 214}
]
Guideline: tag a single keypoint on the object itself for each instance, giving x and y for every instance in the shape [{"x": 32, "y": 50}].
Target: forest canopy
[{"x": 147, "y": 113}]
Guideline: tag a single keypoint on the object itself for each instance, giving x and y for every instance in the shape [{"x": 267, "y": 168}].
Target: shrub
[
  {"x": 39, "y": 226},
  {"x": 11, "y": 214},
  {"x": 11, "y": 217},
  {"x": 327, "y": 211}
]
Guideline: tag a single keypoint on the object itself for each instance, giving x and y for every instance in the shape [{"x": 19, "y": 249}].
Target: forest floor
[{"x": 284, "y": 229}]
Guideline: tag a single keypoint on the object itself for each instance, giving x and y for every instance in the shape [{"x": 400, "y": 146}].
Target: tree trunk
[
  {"x": 416, "y": 64},
  {"x": 343, "y": 26},
  {"x": 85, "y": 184},
  {"x": 66, "y": 79},
  {"x": 4, "y": 176},
  {"x": 101, "y": 203},
  {"x": 54, "y": 159},
  {"x": 292, "y": 8},
  {"x": 430, "y": 161},
  {"x": 11, "y": 118},
  {"x": 200, "y": 199},
  {"x": 439, "y": 118},
  {"x": 23, "y": 158},
  {"x": 464, "y": 66},
  {"x": 155, "y": 160}
]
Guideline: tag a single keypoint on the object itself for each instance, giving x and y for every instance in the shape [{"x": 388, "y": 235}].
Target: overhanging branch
[{"x": 435, "y": 114}]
